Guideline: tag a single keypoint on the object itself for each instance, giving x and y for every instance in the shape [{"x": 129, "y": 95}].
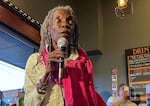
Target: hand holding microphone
[
  {"x": 56, "y": 56},
  {"x": 62, "y": 44}
]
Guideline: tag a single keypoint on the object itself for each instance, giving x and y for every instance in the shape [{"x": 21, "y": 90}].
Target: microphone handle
[{"x": 61, "y": 66}]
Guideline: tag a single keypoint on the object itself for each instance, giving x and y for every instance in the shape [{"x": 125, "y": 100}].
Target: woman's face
[{"x": 62, "y": 25}]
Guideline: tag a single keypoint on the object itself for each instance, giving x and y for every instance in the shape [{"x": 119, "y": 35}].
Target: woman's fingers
[{"x": 55, "y": 56}]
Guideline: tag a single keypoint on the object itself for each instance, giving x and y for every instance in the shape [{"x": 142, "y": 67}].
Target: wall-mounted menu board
[{"x": 138, "y": 69}]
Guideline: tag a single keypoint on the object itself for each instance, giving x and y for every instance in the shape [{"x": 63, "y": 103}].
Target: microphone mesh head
[{"x": 62, "y": 42}]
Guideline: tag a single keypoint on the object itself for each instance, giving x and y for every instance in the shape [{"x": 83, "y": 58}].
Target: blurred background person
[{"x": 122, "y": 99}]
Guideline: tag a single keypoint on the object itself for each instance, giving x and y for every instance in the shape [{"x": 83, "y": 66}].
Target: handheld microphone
[{"x": 62, "y": 44}]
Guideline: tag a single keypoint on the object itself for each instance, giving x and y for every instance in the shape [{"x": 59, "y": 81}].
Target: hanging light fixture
[
  {"x": 119, "y": 10},
  {"x": 122, "y": 3}
]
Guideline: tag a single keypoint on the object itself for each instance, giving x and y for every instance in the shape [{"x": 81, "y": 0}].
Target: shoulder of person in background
[
  {"x": 129, "y": 103},
  {"x": 142, "y": 104},
  {"x": 111, "y": 100}
]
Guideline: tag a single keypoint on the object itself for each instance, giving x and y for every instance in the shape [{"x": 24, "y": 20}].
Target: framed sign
[
  {"x": 138, "y": 70},
  {"x": 114, "y": 81}
]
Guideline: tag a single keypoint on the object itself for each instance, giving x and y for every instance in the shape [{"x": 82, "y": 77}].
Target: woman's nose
[{"x": 65, "y": 24}]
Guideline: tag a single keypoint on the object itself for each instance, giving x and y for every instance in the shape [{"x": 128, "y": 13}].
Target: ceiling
[{"x": 14, "y": 49}]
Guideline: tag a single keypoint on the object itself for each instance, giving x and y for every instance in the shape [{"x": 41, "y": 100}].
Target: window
[{"x": 11, "y": 77}]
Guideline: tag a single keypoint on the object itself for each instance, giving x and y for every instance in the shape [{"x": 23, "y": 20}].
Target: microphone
[{"x": 62, "y": 44}]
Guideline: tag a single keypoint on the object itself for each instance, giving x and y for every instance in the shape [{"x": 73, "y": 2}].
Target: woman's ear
[
  {"x": 48, "y": 30},
  {"x": 48, "y": 33}
]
